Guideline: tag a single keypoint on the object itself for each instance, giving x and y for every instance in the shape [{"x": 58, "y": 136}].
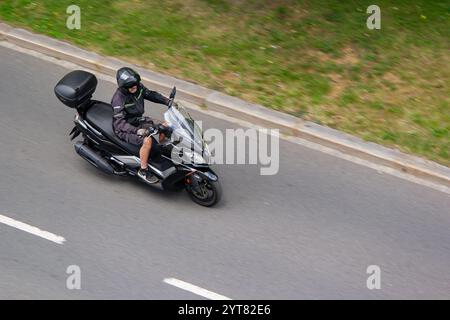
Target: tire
[{"x": 214, "y": 195}]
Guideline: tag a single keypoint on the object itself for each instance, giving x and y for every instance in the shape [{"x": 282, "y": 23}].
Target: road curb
[{"x": 234, "y": 107}]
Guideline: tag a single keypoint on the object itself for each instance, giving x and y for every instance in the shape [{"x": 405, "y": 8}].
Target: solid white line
[
  {"x": 194, "y": 289},
  {"x": 30, "y": 229}
]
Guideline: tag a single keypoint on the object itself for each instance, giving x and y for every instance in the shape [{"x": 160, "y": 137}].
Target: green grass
[{"x": 313, "y": 58}]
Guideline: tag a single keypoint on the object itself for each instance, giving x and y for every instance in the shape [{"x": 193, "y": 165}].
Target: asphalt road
[{"x": 308, "y": 232}]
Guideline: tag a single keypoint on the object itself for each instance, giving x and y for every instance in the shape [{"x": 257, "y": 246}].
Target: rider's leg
[{"x": 144, "y": 152}]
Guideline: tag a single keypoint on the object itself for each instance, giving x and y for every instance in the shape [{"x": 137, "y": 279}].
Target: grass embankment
[{"x": 315, "y": 59}]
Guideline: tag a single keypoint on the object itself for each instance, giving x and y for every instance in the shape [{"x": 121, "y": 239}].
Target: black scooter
[{"x": 186, "y": 166}]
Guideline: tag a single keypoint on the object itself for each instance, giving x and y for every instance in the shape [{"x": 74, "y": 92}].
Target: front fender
[{"x": 210, "y": 175}]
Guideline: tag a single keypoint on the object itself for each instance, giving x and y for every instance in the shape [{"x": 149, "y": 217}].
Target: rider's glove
[
  {"x": 165, "y": 129},
  {"x": 146, "y": 132},
  {"x": 142, "y": 132}
]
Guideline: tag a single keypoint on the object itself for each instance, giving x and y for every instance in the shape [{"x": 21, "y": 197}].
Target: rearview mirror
[
  {"x": 173, "y": 93},
  {"x": 172, "y": 96}
]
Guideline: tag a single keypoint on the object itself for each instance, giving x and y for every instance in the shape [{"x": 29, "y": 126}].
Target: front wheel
[{"x": 207, "y": 193}]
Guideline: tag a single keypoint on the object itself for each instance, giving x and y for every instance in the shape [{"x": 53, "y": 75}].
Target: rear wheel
[{"x": 207, "y": 193}]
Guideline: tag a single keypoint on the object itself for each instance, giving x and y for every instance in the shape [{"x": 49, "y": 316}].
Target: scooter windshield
[{"x": 186, "y": 128}]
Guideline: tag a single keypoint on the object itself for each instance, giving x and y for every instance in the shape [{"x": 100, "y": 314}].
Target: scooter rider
[{"x": 129, "y": 123}]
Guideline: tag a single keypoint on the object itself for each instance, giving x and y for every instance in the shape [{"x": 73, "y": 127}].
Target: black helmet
[{"x": 127, "y": 78}]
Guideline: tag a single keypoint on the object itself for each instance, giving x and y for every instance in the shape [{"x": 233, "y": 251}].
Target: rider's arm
[
  {"x": 154, "y": 96},
  {"x": 119, "y": 121}
]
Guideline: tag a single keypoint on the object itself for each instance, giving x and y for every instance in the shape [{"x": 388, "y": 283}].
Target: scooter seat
[{"x": 100, "y": 116}]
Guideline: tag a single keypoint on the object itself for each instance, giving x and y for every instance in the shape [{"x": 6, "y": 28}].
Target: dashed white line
[
  {"x": 195, "y": 289},
  {"x": 30, "y": 229}
]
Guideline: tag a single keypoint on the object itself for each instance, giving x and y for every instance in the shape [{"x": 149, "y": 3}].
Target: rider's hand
[
  {"x": 142, "y": 132},
  {"x": 146, "y": 132}
]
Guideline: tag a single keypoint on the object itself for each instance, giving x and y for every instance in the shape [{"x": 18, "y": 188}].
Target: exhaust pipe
[{"x": 93, "y": 158}]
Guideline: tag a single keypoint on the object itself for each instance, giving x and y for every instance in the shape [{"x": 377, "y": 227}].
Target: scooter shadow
[
  {"x": 135, "y": 183},
  {"x": 137, "y": 186}
]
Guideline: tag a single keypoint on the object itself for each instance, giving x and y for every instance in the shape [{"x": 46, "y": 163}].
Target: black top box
[{"x": 75, "y": 88}]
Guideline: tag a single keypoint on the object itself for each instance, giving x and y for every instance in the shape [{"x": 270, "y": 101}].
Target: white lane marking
[
  {"x": 30, "y": 229},
  {"x": 296, "y": 140},
  {"x": 195, "y": 289}
]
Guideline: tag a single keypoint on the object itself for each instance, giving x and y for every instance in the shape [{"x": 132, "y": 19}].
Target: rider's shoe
[{"x": 146, "y": 175}]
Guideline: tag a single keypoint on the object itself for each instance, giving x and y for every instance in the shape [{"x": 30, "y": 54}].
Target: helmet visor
[{"x": 130, "y": 84}]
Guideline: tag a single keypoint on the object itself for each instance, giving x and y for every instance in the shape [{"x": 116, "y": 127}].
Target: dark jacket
[{"x": 128, "y": 108}]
